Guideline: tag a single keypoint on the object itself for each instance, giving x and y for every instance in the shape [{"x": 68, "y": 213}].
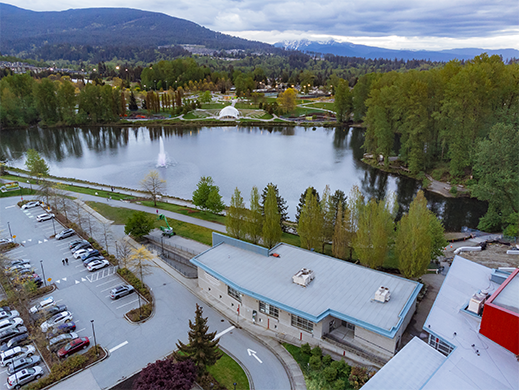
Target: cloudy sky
[{"x": 394, "y": 24}]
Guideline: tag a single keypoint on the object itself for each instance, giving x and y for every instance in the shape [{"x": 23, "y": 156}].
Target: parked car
[
  {"x": 81, "y": 245},
  {"x": 65, "y": 233},
  {"x": 16, "y": 353},
  {"x": 49, "y": 312},
  {"x": 74, "y": 346},
  {"x": 23, "y": 377},
  {"x": 30, "y": 205},
  {"x": 90, "y": 254},
  {"x": 44, "y": 217},
  {"x": 6, "y": 314},
  {"x": 121, "y": 291},
  {"x": 75, "y": 242},
  {"x": 20, "y": 262},
  {"x": 42, "y": 305},
  {"x": 16, "y": 341},
  {"x": 5, "y": 241},
  {"x": 20, "y": 364},
  {"x": 97, "y": 264},
  {"x": 10, "y": 323},
  {"x": 77, "y": 254},
  {"x": 55, "y": 320},
  {"x": 19, "y": 267},
  {"x": 57, "y": 342},
  {"x": 67, "y": 327},
  {"x": 91, "y": 259},
  {"x": 8, "y": 334},
  {"x": 31, "y": 277}
]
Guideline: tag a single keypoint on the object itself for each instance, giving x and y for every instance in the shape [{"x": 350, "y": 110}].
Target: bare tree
[
  {"x": 123, "y": 251},
  {"x": 140, "y": 262},
  {"x": 153, "y": 185},
  {"x": 106, "y": 233}
]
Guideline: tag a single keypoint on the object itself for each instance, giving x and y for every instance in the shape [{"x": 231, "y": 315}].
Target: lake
[{"x": 293, "y": 158}]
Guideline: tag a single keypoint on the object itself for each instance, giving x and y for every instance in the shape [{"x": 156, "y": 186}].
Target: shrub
[
  {"x": 315, "y": 363},
  {"x": 330, "y": 374},
  {"x": 327, "y": 359},
  {"x": 316, "y": 351},
  {"x": 140, "y": 314},
  {"x": 358, "y": 377},
  {"x": 454, "y": 190},
  {"x": 306, "y": 349},
  {"x": 339, "y": 384}
]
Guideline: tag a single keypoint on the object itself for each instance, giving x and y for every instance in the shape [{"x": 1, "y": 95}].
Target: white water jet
[{"x": 161, "y": 160}]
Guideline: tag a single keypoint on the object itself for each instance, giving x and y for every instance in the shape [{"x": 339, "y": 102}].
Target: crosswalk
[{"x": 94, "y": 277}]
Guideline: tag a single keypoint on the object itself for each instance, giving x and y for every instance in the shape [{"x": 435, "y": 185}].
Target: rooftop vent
[
  {"x": 382, "y": 294},
  {"x": 303, "y": 277},
  {"x": 477, "y": 302}
]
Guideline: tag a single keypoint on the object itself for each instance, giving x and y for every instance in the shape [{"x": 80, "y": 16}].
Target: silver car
[
  {"x": 27, "y": 375},
  {"x": 44, "y": 217},
  {"x": 58, "y": 319}
]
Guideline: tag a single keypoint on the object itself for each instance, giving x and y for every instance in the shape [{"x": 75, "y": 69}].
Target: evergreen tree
[
  {"x": 132, "y": 106},
  {"x": 255, "y": 218},
  {"x": 235, "y": 221},
  {"x": 36, "y": 165},
  {"x": 201, "y": 194},
  {"x": 139, "y": 224},
  {"x": 419, "y": 238},
  {"x": 202, "y": 348},
  {"x": 343, "y": 101},
  {"x": 271, "y": 224},
  {"x": 302, "y": 200},
  {"x": 310, "y": 227},
  {"x": 329, "y": 213},
  {"x": 281, "y": 204},
  {"x": 338, "y": 197},
  {"x": 214, "y": 201}
]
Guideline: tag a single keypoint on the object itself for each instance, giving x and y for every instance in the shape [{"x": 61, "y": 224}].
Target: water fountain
[{"x": 161, "y": 160}]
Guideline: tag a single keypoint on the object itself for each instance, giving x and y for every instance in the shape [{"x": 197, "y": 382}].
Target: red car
[{"x": 73, "y": 347}]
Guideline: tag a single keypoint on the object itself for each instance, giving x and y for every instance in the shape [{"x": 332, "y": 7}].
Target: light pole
[
  {"x": 53, "y": 226},
  {"x": 234, "y": 384},
  {"x": 94, "y": 332},
  {"x": 9, "y": 226},
  {"x": 29, "y": 184},
  {"x": 43, "y": 273}
]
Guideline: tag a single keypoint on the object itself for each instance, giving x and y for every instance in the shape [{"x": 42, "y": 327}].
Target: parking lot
[{"x": 86, "y": 294}]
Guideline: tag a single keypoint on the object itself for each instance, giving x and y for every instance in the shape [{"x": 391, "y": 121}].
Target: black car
[
  {"x": 67, "y": 327},
  {"x": 19, "y": 262},
  {"x": 20, "y": 364},
  {"x": 90, "y": 254},
  {"x": 90, "y": 259},
  {"x": 48, "y": 312},
  {"x": 84, "y": 245},
  {"x": 8, "y": 334},
  {"x": 65, "y": 233},
  {"x": 15, "y": 342},
  {"x": 75, "y": 242}
]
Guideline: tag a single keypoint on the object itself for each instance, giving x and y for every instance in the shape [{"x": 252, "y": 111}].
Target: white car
[
  {"x": 10, "y": 323},
  {"x": 16, "y": 353},
  {"x": 30, "y": 205},
  {"x": 24, "y": 376},
  {"x": 6, "y": 314},
  {"x": 97, "y": 264},
  {"x": 55, "y": 320},
  {"x": 19, "y": 267},
  {"x": 81, "y": 252},
  {"x": 42, "y": 305},
  {"x": 44, "y": 217}
]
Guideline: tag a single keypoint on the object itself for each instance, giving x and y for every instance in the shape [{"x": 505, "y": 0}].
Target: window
[
  {"x": 268, "y": 309},
  {"x": 234, "y": 293},
  {"x": 302, "y": 323},
  {"x": 440, "y": 345}
]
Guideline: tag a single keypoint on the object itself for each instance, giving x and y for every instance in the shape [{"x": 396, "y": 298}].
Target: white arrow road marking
[
  {"x": 9, "y": 207},
  {"x": 223, "y": 332},
  {"x": 45, "y": 240},
  {"x": 253, "y": 353},
  {"x": 83, "y": 280},
  {"x": 40, "y": 242},
  {"x": 77, "y": 282},
  {"x": 30, "y": 239},
  {"x": 65, "y": 279},
  {"x": 57, "y": 281},
  {"x": 23, "y": 242},
  {"x": 118, "y": 346}
]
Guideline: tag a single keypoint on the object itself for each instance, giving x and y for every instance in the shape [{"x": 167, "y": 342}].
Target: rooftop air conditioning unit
[
  {"x": 303, "y": 277},
  {"x": 477, "y": 302},
  {"x": 382, "y": 294}
]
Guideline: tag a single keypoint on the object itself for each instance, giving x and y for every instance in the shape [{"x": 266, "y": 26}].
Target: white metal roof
[
  {"x": 229, "y": 111},
  {"x": 408, "y": 369},
  {"x": 476, "y": 362},
  {"x": 508, "y": 297},
  {"x": 340, "y": 288}
]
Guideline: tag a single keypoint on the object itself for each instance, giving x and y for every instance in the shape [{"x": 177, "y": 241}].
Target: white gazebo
[{"x": 229, "y": 112}]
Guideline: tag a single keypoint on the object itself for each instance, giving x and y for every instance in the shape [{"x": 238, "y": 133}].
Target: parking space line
[
  {"x": 126, "y": 304},
  {"x": 80, "y": 330},
  {"x": 118, "y": 346},
  {"x": 99, "y": 285},
  {"x": 109, "y": 288}
]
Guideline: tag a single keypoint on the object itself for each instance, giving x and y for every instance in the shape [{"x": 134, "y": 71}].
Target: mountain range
[
  {"x": 348, "y": 49},
  {"x": 22, "y": 30}
]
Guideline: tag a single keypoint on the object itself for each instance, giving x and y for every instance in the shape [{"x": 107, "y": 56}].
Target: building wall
[
  {"x": 249, "y": 310},
  {"x": 501, "y": 326}
]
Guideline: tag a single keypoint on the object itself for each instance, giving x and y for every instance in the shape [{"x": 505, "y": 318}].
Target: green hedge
[{"x": 128, "y": 275}]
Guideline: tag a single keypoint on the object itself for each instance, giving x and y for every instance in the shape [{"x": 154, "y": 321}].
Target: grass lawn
[
  {"x": 214, "y": 106},
  {"x": 183, "y": 229},
  {"x": 204, "y": 215},
  {"x": 327, "y": 106},
  {"x": 226, "y": 371}
]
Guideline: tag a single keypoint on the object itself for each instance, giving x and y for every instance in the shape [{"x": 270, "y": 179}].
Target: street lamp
[
  {"x": 94, "y": 332},
  {"x": 9, "y": 226},
  {"x": 43, "y": 273},
  {"x": 30, "y": 184},
  {"x": 234, "y": 384},
  {"x": 53, "y": 226}
]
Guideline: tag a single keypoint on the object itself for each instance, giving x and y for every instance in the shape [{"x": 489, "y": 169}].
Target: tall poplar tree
[
  {"x": 341, "y": 241},
  {"x": 310, "y": 227},
  {"x": 255, "y": 219},
  {"x": 271, "y": 224},
  {"x": 419, "y": 238},
  {"x": 343, "y": 101},
  {"x": 235, "y": 223}
]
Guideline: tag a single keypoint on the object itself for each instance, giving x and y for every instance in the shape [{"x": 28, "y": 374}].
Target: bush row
[{"x": 128, "y": 275}]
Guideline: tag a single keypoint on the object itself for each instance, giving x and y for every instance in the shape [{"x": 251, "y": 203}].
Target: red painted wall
[{"x": 499, "y": 324}]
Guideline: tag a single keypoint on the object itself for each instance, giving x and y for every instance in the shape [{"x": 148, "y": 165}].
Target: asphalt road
[{"x": 131, "y": 346}]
